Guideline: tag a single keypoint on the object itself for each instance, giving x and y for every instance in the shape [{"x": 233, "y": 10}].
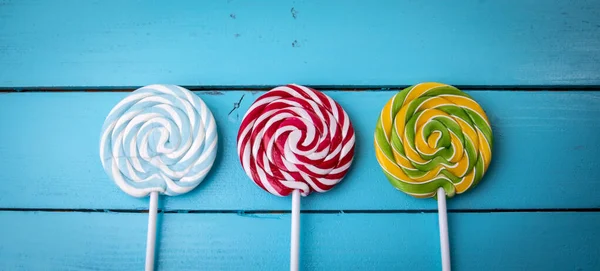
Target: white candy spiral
[{"x": 160, "y": 138}]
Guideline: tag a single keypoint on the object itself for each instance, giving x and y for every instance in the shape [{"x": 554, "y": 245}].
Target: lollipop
[
  {"x": 296, "y": 140},
  {"x": 434, "y": 140},
  {"x": 161, "y": 139}
]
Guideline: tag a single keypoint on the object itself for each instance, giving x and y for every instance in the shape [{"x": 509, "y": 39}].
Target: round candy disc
[
  {"x": 433, "y": 135},
  {"x": 160, "y": 138},
  {"x": 294, "y": 137}
]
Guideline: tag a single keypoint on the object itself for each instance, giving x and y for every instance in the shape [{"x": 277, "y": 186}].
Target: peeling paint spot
[
  {"x": 232, "y": 16},
  {"x": 236, "y": 106},
  {"x": 237, "y": 35},
  {"x": 244, "y": 214},
  {"x": 295, "y": 44},
  {"x": 294, "y": 12}
]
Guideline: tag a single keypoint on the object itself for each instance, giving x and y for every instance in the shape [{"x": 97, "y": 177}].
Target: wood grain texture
[
  {"x": 130, "y": 43},
  {"x": 110, "y": 241},
  {"x": 545, "y": 155}
]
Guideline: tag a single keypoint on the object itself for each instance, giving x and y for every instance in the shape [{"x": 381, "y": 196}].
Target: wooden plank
[
  {"x": 487, "y": 241},
  {"x": 545, "y": 153},
  {"x": 361, "y": 42}
]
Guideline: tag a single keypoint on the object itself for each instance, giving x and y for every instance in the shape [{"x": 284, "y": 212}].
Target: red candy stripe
[{"x": 295, "y": 137}]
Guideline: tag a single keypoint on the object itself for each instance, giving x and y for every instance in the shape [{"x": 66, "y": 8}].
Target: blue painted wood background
[{"x": 533, "y": 65}]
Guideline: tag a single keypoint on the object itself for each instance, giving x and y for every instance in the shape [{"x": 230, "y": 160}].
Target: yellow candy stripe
[{"x": 433, "y": 135}]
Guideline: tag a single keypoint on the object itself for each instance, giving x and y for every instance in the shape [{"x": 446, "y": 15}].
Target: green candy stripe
[{"x": 440, "y": 160}]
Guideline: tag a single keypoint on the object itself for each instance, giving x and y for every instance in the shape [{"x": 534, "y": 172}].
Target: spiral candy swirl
[
  {"x": 294, "y": 137},
  {"x": 160, "y": 138},
  {"x": 433, "y": 135}
]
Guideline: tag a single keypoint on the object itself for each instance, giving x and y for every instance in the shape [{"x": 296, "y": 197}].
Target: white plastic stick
[
  {"x": 443, "y": 221},
  {"x": 295, "y": 237},
  {"x": 151, "y": 240}
]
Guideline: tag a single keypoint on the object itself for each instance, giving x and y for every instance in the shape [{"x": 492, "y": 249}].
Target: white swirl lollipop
[{"x": 159, "y": 139}]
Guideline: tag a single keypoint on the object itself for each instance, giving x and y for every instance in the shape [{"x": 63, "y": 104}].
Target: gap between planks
[
  {"x": 250, "y": 212},
  {"x": 218, "y": 89}
]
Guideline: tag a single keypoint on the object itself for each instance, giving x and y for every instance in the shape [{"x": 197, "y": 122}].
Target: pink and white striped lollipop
[{"x": 297, "y": 140}]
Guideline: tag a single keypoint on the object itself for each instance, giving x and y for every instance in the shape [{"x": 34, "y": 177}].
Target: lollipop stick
[
  {"x": 295, "y": 238},
  {"x": 443, "y": 221},
  {"x": 151, "y": 240}
]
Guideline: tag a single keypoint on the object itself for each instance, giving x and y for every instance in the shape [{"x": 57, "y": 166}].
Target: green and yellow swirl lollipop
[{"x": 432, "y": 139}]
